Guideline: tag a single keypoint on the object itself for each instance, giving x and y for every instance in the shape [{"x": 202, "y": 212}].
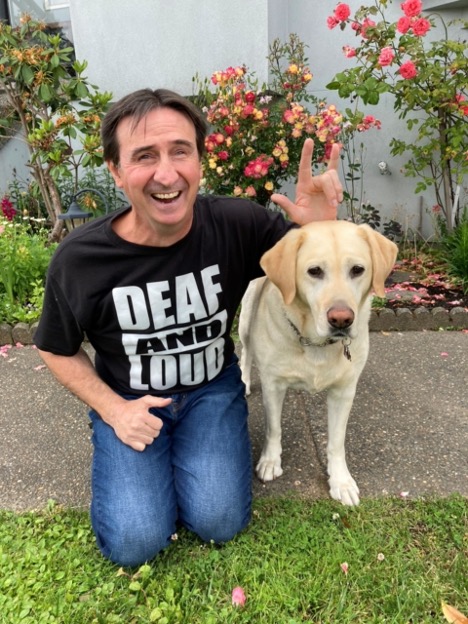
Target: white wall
[
  {"x": 156, "y": 43},
  {"x": 14, "y": 155}
]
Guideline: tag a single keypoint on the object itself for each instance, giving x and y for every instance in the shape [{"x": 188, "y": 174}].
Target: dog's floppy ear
[
  {"x": 279, "y": 263},
  {"x": 384, "y": 253}
]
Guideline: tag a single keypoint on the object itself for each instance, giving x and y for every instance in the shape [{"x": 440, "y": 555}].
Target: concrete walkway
[{"x": 408, "y": 430}]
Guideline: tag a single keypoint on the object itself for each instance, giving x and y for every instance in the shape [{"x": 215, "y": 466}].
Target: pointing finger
[{"x": 305, "y": 164}]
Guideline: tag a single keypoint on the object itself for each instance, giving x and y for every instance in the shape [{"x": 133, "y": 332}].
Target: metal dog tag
[{"x": 346, "y": 351}]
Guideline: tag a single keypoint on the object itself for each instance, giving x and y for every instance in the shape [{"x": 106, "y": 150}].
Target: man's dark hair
[{"x": 137, "y": 105}]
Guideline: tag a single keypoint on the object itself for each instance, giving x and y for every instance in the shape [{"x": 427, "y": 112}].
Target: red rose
[
  {"x": 342, "y": 12},
  {"x": 421, "y": 26},
  {"x": 408, "y": 70},
  {"x": 411, "y": 8}
]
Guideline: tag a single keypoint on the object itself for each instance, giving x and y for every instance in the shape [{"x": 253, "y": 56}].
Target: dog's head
[{"x": 330, "y": 267}]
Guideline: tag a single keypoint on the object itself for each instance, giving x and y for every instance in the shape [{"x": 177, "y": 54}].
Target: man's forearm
[{"x": 77, "y": 374}]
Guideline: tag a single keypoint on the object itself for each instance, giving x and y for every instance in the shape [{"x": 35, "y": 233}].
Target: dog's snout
[{"x": 340, "y": 316}]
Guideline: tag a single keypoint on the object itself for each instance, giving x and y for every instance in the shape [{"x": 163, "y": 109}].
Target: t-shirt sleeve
[{"x": 58, "y": 331}]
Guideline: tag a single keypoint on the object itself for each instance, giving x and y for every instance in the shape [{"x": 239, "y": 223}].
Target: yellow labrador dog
[{"x": 306, "y": 326}]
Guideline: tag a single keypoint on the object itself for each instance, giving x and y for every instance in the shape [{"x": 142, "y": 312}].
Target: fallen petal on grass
[{"x": 238, "y": 597}]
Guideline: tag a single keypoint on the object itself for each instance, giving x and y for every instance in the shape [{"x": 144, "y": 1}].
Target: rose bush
[
  {"x": 427, "y": 80},
  {"x": 257, "y": 132}
]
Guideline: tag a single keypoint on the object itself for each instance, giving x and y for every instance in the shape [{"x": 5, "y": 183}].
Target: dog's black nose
[{"x": 340, "y": 316}]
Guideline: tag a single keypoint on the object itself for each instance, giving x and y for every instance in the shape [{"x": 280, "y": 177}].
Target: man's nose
[{"x": 165, "y": 172}]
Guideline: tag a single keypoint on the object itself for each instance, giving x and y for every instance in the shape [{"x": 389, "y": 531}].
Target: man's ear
[{"x": 115, "y": 173}]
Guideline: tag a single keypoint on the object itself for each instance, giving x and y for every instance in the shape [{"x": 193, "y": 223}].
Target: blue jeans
[{"x": 198, "y": 472}]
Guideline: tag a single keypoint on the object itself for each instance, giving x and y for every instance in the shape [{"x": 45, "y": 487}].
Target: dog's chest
[{"x": 314, "y": 369}]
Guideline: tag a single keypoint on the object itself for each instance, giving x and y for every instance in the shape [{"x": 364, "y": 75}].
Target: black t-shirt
[{"x": 159, "y": 318}]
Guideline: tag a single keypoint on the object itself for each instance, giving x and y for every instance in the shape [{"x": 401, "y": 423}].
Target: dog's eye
[
  {"x": 316, "y": 272},
  {"x": 357, "y": 270}
]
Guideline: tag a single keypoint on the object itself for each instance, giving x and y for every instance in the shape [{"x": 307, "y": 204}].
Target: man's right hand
[{"x": 135, "y": 426}]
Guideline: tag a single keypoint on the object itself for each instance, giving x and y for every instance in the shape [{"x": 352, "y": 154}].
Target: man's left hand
[{"x": 317, "y": 197}]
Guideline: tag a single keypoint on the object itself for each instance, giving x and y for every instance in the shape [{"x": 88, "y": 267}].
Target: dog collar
[{"x": 307, "y": 342}]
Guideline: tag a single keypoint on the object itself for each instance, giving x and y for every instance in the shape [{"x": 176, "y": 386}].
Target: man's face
[{"x": 159, "y": 170}]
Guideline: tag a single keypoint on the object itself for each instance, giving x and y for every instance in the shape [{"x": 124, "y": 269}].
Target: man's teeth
[{"x": 166, "y": 195}]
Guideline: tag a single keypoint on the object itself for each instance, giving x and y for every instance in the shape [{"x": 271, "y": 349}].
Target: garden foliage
[
  {"x": 50, "y": 101},
  {"x": 25, "y": 255}
]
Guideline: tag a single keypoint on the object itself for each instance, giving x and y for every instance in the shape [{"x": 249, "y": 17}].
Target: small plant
[
  {"x": 25, "y": 257},
  {"x": 454, "y": 253}
]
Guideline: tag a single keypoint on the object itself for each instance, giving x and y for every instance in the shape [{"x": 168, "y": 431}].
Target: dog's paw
[
  {"x": 345, "y": 491},
  {"x": 269, "y": 469}
]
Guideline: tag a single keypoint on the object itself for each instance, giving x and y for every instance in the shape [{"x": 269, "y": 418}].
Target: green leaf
[
  {"x": 45, "y": 93},
  {"x": 27, "y": 74},
  {"x": 81, "y": 90}
]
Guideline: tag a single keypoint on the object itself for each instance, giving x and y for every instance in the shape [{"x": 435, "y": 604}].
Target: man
[{"x": 155, "y": 287}]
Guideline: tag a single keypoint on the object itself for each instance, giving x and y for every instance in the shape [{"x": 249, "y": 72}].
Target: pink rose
[
  {"x": 403, "y": 24},
  {"x": 411, "y": 8},
  {"x": 421, "y": 26},
  {"x": 342, "y": 12},
  {"x": 223, "y": 155},
  {"x": 247, "y": 110},
  {"x": 332, "y": 22},
  {"x": 366, "y": 24},
  {"x": 408, "y": 70},
  {"x": 386, "y": 57},
  {"x": 349, "y": 52}
]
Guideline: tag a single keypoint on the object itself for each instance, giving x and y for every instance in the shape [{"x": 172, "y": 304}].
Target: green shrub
[
  {"x": 25, "y": 255},
  {"x": 454, "y": 253}
]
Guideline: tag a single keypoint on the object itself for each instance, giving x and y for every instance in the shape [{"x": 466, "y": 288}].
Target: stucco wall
[{"x": 155, "y": 43}]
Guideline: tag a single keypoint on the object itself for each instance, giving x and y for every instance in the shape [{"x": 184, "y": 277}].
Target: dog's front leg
[
  {"x": 269, "y": 464},
  {"x": 342, "y": 485}
]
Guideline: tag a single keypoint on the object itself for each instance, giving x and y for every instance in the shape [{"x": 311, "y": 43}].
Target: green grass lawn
[{"x": 403, "y": 559}]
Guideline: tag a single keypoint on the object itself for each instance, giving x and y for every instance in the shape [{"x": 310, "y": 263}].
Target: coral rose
[
  {"x": 403, "y": 25},
  {"x": 342, "y": 12},
  {"x": 421, "y": 26},
  {"x": 408, "y": 70},
  {"x": 386, "y": 57},
  {"x": 411, "y": 8}
]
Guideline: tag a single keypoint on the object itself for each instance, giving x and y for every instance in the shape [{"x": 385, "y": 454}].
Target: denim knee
[
  {"x": 219, "y": 527},
  {"x": 130, "y": 546}
]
